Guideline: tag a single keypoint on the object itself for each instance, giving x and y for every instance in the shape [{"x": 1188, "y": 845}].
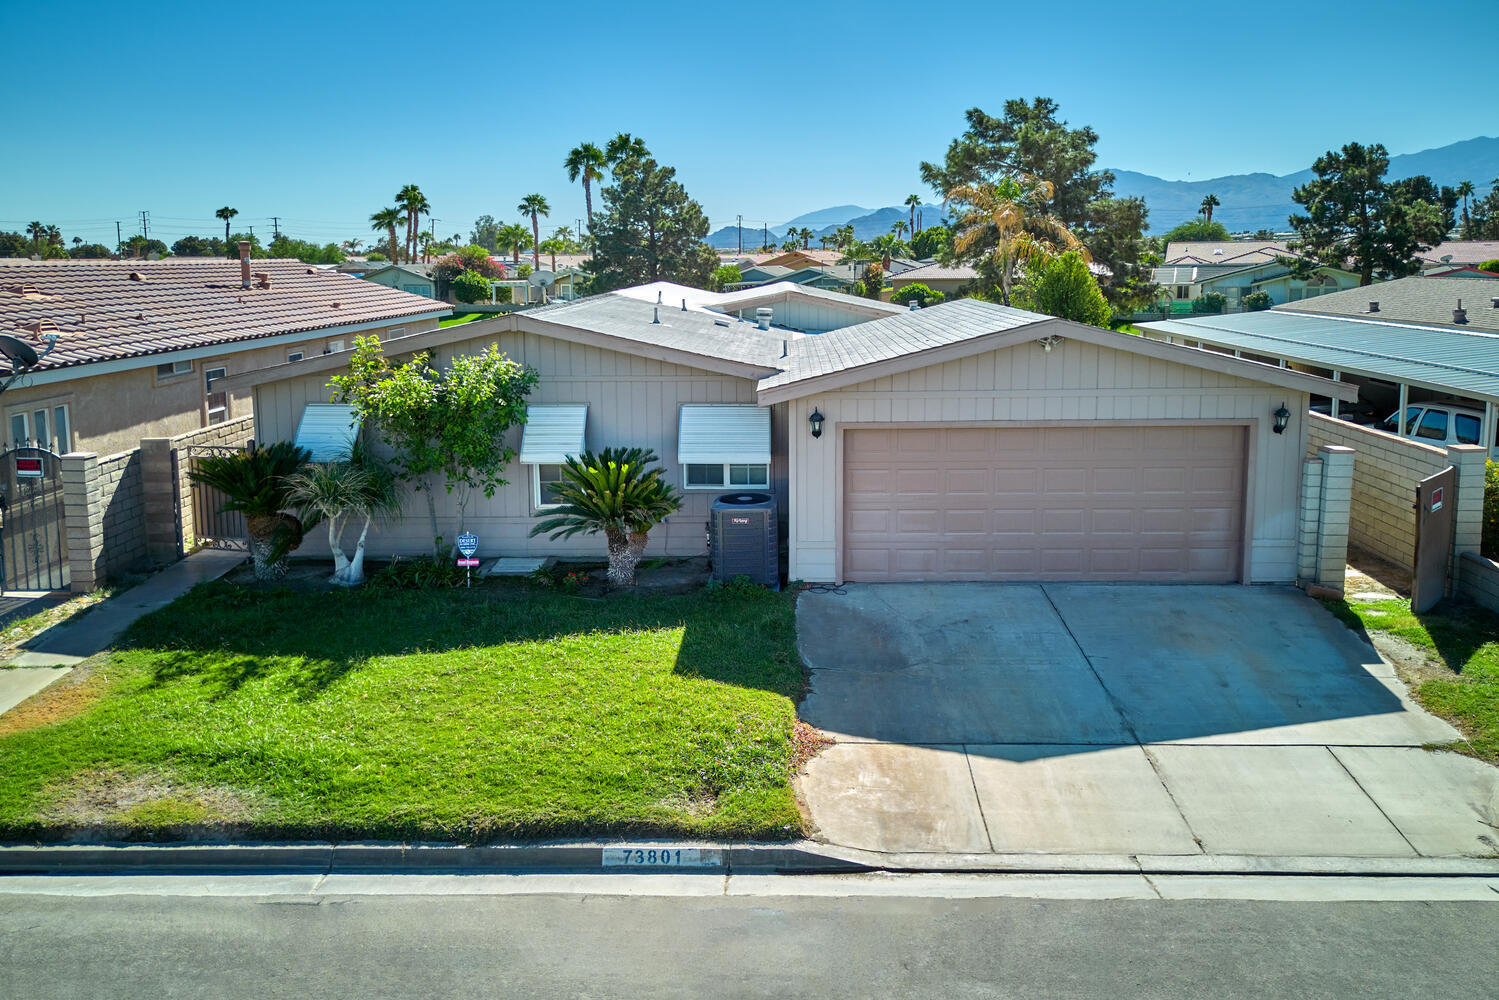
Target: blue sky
[{"x": 318, "y": 112}]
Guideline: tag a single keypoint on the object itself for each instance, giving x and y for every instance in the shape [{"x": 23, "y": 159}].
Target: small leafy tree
[
  {"x": 724, "y": 274},
  {"x": 916, "y": 292},
  {"x": 471, "y": 286},
  {"x": 873, "y": 281},
  {"x": 1211, "y": 303},
  {"x": 1063, "y": 287},
  {"x": 256, "y": 484},
  {"x": 1257, "y": 301},
  {"x": 1490, "y": 265},
  {"x": 357, "y": 486},
  {"x": 617, "y": 492},
  {"x": 444, "y": 424}
]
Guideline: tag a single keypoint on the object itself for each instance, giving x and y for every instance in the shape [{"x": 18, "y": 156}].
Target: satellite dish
[
  {"x": 543, "y": 279},
  {"x": 19, "y": 352}
]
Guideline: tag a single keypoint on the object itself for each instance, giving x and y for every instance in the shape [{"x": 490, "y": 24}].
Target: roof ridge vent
[
  {"x": 25, "y": 289},
  {"x": 1459, "y": 315},
  {"x": 1374, "y": 305}
]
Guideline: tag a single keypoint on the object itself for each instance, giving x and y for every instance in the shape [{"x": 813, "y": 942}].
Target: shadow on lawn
[
  {"x": 1458, "y": 629},
  {"x": 226, "y": 636}
]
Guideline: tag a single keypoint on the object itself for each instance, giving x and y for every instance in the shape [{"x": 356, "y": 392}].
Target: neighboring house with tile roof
[
  {"x": 805, "y": 258},
  {"x": 966, "y": 441},
  {"x": 1232, "y": 251},
  {"x": 947, "y": 280},
  {"x": 1460, "y": 253},
  {"x": 142, "y": 345}
]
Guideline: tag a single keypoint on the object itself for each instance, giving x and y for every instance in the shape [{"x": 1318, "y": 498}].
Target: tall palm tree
[
  {"x": 621, "y": 146},
  {"x": 1208, "y": 204},
  {"x": 226, "y": 213},
  {"x": 413, "y": 203},
  {"x": 1006, "y": 223},
  {"x": 386, "y": 220},
  {"x": 535, "y": 206},
  {"x": 585, "y": 161},
  {"x": 516, "y": 238},
  {"x": 553, "y": 246},
  {"x": 913, "y": 201},
  {"x": 1465, "y": 191},
  {"x": 899, "y": 228},
  {"x": 37, "y": 231}
]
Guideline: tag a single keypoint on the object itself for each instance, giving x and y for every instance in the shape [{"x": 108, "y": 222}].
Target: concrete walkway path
[
  {"x": 1094, "y": 719},
  {"x": 66, "y": 644}
]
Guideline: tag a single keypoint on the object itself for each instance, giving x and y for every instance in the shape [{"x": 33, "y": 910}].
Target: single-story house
[
  {"x": 1185, "y": 283},
  {"x": 143, "y": 347},
  {"x": 413, "y": 279},
  {"x": 804, "y": 258},
  {"x": 1229, "y": 252},
  {"x": 1460, "y": 253},
  {"x": 967, "y": 441},
  {"x": 760, "y": 274},
  {"x": 947, "y": 280},
  {"x": 1399, "y": 342}
]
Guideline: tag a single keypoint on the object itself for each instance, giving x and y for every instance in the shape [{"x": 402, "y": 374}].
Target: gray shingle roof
[
  {"x": 105, "y": 314},
  {"x": 896, "y": 336},
  {"x": 1428, "y": 301},
  {"x": 936, "y": 272},
  {"x": 693, "y": 330},
  {"x": 1464, "y": 362},
  {"x": 1239, "y": 251}
]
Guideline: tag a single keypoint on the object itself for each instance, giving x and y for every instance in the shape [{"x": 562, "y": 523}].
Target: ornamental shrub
[
  {"x": 1256, "y": 301},
  {"x": 1212, "y": 302},
  {"x": 1490, "y": 265},
  {"x": 917, "y": 291},
  {"x": 471, "y": 286},
  {"x": 1490, "y": 542}
]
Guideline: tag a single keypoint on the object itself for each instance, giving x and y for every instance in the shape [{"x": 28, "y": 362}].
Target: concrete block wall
[
  {"x": 1386, "y": 469},
  {"x": 1470, "y": 461},
  {"x": 1311, "y": 520},
  {"x": 123, "y": 514},
  {"x": 1478, "y": 580},
  {"x": 85, "y": 520},
  {"x": 1336, "y": 497}
]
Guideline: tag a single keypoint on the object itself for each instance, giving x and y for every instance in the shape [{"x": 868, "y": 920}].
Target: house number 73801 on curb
[{"x": 661, "y": 857}]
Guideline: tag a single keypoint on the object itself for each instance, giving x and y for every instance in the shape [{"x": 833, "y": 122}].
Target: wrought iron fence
[
  {"x": 33, "y": 523},
  {"x": 213, "y": 526}
]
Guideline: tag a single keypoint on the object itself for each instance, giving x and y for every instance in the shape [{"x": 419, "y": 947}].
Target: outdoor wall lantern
[
  {"x": 815, "y": 419},
  {"x": 1282, "y": 417}
]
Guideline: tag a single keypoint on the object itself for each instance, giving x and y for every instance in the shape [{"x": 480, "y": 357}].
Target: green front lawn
[
  {"x": 1464, "y": 639},
  {"x": 505, "y": 711},
  {"x": 458, "y": 319}
]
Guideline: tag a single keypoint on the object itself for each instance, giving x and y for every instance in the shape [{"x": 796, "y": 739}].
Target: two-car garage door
[{"x": 1117, "y": 502}]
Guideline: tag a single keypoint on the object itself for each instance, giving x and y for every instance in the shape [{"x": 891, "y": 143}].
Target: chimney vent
[
  {"x": 1374, "y": 307},
  {"x": 244, "y": 263},
  {"x": 763, "y": 316},
  {"x": 262, "y": 279},
  {"x": 684, "y": 305},
  {"x": 1459, "y": 315}
]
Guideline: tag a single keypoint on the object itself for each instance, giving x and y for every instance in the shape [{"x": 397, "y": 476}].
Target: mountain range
[{"x": 1248, "y": 201}]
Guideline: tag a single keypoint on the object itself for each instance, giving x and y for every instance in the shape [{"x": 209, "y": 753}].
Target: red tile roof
[{"x": 107, "y": 310}]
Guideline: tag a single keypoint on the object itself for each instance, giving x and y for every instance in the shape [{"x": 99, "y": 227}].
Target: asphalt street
[{"x": 982, "y": 936}]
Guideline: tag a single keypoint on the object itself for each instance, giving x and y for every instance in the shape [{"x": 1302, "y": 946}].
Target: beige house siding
[
  {"x": 631, "y": 401},
  {"x": 1075, "y": 381},
  {"x": 112, "y": 412}
]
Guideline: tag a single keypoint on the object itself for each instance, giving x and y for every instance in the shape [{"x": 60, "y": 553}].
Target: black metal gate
[
  {"x": 33, "y": 525},
  {"x": 214, "y": 527}
]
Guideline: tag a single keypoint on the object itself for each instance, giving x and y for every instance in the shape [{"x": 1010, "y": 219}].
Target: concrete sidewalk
[{"x": 67, "y": 644}]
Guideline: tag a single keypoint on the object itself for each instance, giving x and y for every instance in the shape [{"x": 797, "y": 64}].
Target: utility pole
[
  {"x": 145, "y": 223},
  {"x": 740, "y": 224},
  {"x": 764, "y": 236},
  {"x": 275, "y": 227},
  {"x": 119, "y": 239}
]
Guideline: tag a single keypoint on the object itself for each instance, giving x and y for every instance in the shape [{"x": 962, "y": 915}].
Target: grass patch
[
  {"x": 501, "y": 712},
  {"x": 458, "y": 319},
  {"x": 1462, "y": 640}
]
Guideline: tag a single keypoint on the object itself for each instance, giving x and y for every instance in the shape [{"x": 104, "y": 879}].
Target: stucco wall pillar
[
  {"x": 1336, "y": 501},
  {"x": 84, "y": 512}
]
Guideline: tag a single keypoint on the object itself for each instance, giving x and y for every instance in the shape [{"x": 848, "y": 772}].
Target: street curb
[{"x": 609, "y": 856}]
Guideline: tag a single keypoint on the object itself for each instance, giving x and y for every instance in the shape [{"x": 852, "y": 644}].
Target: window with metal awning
[
  {"x": 724, "y": 446},
  {"x": 328, "y": 430},
  {"x": 551, "y": 436}
]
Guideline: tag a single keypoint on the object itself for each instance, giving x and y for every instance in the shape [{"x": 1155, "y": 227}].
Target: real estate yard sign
[{"x": 468, "y": 545}]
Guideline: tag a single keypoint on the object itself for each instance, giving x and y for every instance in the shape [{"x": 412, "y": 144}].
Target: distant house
[
  {"x": 1460, "y": 253},
  {"x": 805, "y": 258},
  {"x": 947, "y": 280},
  {"x": 1185, "y": 283},
  {"x": 1230, "y": 252},
  {"x": 142, "y": 345},
  {"x": 834, "y": 277},
  {"x": 413, "y": 279}
]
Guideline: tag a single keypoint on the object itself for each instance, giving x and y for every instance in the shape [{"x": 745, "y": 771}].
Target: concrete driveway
[{"x": 1122, "y": 719}]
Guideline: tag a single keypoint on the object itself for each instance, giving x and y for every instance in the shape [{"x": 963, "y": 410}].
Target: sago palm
[
  {"x": 1006, "y": 223},
  {"x": 617, "y": 492},
  {"x": 254, "y": 482}
]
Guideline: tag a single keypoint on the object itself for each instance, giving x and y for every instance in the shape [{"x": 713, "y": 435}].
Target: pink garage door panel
[{"x": 1044, "y": 503}]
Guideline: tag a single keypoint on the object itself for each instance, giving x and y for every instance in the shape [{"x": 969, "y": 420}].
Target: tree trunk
[
  {"x": 535, "y": 242},
  {"x": 426, "y": 487},
  {"x": 624, "y": 554},
  {"x": 355, "y": 574},
  {"x": 262, "y": 532},
  {"x": 588, "y": 203},
  {"x": 340, "y": 561}
]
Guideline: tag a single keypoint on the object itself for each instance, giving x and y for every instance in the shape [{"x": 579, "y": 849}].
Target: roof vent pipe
[
  {"x": 915, "y": 305},
  {"x": 763, "y": 316},
  {"x": 684, "y": 305},
  {"x": 658, "y": 296},
  {"x": 244, "y": 263},
  {"x": 1374, "y": 307},
  {"x": 1459, "y": 315},
  {"x": 1495, "y": 301},
  {"x": 656, "y": 315}
]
